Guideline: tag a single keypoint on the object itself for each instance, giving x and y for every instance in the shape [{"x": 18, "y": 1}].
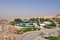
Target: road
[{"x": 33, "y": 35}]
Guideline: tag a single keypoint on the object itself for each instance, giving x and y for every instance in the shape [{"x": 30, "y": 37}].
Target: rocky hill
[{"x": 7, "y": 31}]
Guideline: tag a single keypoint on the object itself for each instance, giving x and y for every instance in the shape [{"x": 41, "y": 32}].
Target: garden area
[
  {"x": 49, "y": 27},
  {"x": 27, "y": 29},
  {"x": 52, "y": 38}
]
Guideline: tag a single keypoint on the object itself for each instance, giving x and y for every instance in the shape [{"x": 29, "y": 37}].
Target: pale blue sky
[{"x": 28, "y": 8}]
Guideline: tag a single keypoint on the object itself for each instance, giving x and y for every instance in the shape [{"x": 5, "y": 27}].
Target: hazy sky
[{"x": 28, "y": 8}]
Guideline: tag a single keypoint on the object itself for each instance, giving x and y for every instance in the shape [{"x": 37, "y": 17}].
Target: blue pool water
[{"x": 25, "y": 23}]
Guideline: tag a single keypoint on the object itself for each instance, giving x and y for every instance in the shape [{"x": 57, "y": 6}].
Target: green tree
[
  {"x": 38, "y": 21},
  {"x": 42, "y": 20},
  {"x": 58, "y": 21},
  {"x": 12, "y": 23},
  {"x": 46, "y": 19},
  {"x": 17, "y": 20}
]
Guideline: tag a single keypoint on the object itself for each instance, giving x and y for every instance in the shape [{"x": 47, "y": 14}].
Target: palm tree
[
  {"x": 32, "y": 19},
  {"x": 38, "y": 21},
  {"x": 46, "y": 19},
  {"x": 17, "y": 20},
  {"x": 42, "y": 20},
  {"x": 12, "y": 23},
  {"x": 58, "y": 20}
]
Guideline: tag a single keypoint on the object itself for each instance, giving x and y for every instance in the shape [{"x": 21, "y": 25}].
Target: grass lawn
[
  {"x": 26, "y": 30},
  {"x": 30, "y": 29},
  {"x": 51, "y": 38},
  {"x": 49, "y": 27}
]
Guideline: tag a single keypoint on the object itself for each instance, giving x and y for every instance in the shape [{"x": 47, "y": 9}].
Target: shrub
[{"x": 51, "y": 38}]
